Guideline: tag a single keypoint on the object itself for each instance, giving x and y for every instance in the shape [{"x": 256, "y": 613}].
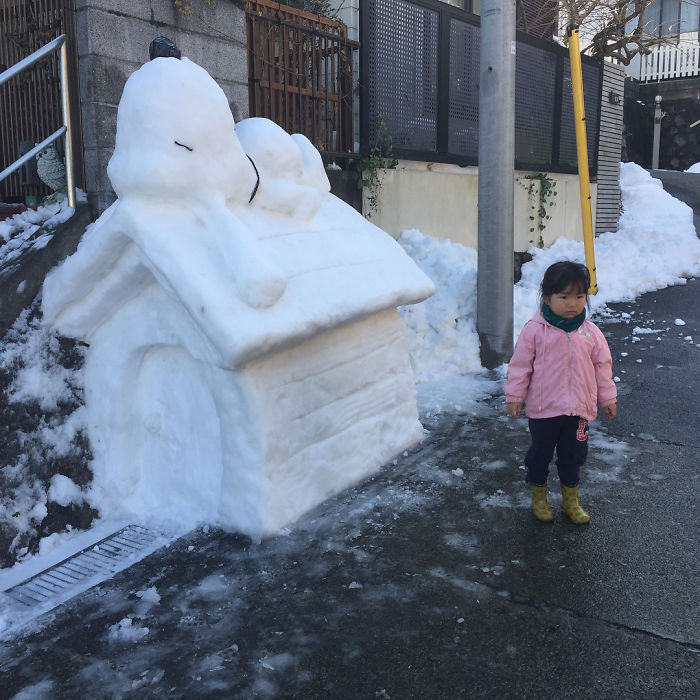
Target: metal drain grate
[{"x": 99, "y": 561}]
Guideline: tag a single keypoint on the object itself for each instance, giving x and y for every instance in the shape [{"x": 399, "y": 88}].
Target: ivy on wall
[
  {"x": 381, "y": 157},
  {"x": 540, "y": 194}
]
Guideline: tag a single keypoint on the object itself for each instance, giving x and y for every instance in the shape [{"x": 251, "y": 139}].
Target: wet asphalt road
[{"x": 428, "y": 582}]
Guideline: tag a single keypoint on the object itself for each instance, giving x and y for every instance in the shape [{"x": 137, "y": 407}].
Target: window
[
  {"x": 690, "y": 16},
  {"x": 668, "y": 18}
]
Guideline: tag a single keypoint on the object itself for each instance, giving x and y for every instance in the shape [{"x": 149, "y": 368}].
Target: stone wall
[{"x": 113, "y": 41}]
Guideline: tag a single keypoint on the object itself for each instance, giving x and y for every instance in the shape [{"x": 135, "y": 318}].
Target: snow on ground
[
  {"x": 29, "y": 354},
  {"x": 656, "y": 246},
  {"x": 17, "y": 233}
]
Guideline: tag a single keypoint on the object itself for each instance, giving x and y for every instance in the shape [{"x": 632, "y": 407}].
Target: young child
[{"x": 562, "y": 369}]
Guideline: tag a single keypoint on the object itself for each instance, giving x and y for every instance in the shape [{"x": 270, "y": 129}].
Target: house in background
[{"x": 672, "y": 72}]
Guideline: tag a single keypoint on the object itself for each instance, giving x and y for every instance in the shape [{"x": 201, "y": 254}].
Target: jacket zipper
[{"x": 571, "y": 408}]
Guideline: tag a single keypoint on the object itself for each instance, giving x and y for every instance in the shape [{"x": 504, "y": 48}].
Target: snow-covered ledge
[{"x": 246, "y": 357}]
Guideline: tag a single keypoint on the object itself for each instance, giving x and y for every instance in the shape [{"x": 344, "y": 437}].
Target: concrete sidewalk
[{"x": 428, "y": 582}]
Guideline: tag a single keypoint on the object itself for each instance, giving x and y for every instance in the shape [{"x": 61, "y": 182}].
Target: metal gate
[
  {"x": 420, "y": 60},
  {"x": 300, "y": 73},
  {"x": 30, "y": 104}
]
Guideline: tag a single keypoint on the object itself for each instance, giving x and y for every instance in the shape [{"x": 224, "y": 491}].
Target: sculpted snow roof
[{"x": 236, "y": 224}]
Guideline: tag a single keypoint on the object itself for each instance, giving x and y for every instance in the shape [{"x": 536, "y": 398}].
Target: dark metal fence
[
  {"x": 419, "y": 78},
  {"x": 30, "y": 104},
  {"x": 300, "y": 73}
]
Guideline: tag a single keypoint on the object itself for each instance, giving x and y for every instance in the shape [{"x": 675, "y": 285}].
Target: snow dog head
[{"x": 175, "y": 137}]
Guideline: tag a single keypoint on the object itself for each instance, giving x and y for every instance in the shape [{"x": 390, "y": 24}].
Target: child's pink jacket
[{"x": 560, "y": 374}]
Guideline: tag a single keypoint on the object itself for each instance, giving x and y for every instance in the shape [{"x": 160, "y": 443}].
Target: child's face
[{"x": 568, "y": 303}]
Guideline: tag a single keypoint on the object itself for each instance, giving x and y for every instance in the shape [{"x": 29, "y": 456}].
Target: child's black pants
[{"x": 569, "y": 435}]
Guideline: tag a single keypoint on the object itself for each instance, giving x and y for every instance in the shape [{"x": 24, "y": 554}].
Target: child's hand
[
  {"x": 514, "y": 409},
  {"x": 610, "y": 410}
]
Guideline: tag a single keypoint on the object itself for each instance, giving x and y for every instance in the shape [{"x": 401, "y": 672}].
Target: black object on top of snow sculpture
[{"x": 162, "y": 47}]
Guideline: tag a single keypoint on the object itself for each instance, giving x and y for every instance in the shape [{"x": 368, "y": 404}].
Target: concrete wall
[
  {"x": 441, "y": 201},
  {"x": 113, "y": 40}
]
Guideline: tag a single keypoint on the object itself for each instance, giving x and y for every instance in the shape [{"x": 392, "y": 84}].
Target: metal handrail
[{"x": 57, "y": 44}]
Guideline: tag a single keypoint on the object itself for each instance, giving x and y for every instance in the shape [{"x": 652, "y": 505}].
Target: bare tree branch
[{"x": 609, "y": 28}]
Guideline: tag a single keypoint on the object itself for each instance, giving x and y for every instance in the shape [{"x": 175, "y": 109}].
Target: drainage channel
[{"x": 91, "y": 565}]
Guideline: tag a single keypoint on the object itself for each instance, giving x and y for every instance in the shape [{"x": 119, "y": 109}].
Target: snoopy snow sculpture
[{"x": 246, "y": 359}]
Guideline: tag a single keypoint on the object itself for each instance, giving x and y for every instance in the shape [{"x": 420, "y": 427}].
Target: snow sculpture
[{"x": 246, "y": 359}]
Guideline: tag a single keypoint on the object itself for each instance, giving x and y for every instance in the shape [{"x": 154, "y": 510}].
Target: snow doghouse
[{"x": 246, "y": 359}]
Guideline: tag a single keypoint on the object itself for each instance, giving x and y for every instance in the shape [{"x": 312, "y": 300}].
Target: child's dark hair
[{"x": 565, "y": 274}]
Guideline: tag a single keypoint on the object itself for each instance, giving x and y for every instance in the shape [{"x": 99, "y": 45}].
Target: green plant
[
  {"x": 184, "y": 7},
  {"x": 541, "y": 191},
  {"x": 381, "y": 156}
]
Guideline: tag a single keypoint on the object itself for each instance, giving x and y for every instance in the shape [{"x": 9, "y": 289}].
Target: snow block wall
[{"x": 246, "y": 357}]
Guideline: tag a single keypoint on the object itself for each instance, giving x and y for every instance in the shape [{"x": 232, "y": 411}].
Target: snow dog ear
[{"x": 314, "y": 174}]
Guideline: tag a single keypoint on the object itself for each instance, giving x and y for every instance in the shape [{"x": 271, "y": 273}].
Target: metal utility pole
[
  {"x": 658, "y": 115},
  {"x": 494, "y": 309}
]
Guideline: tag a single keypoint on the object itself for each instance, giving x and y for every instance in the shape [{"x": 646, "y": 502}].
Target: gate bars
[
  {"x": 300, "y": 73},
  {"x": 58, "y": 44}
]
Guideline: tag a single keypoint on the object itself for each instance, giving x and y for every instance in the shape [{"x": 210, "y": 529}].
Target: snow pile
[
  {"x": 44, "y": 433},
  {"x": 695, "y": 168},
  {"x": 30, "y": 352},
  {"x": 17, "y": 232},
  {"x": 656, "y": 246},
  {"x": 443, "y": 339},
  {"x": 64, "y": 491}
]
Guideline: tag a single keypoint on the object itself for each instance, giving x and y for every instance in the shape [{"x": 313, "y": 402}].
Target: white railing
[
  {"x": 677, "y": 61},
  {"x": 58, "y": 44}
]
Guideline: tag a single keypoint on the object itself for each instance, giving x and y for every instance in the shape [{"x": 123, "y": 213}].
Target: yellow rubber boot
[
  {"x": 571, "y": 507},
  {"x": 540, "y": 507}
]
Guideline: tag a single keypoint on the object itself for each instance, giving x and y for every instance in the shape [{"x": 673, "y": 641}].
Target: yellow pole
[{"x": 582, "y": 150}]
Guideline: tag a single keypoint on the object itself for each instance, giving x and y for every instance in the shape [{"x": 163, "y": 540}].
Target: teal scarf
[{"x": 565, "y": 324}]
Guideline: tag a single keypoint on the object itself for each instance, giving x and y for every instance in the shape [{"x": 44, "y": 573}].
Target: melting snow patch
[
  {"x": 149, "y": 595},
  {"x": 608, "y": 449},
  {"x": 492, "y": 466},
  {"x": 679, "y": 322},
  {"x": 126, "y": 631},
  {"x": 500, "y": 499}
]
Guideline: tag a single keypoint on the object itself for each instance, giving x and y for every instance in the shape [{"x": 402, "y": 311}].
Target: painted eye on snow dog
[{"x": 177, "y": 143}]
